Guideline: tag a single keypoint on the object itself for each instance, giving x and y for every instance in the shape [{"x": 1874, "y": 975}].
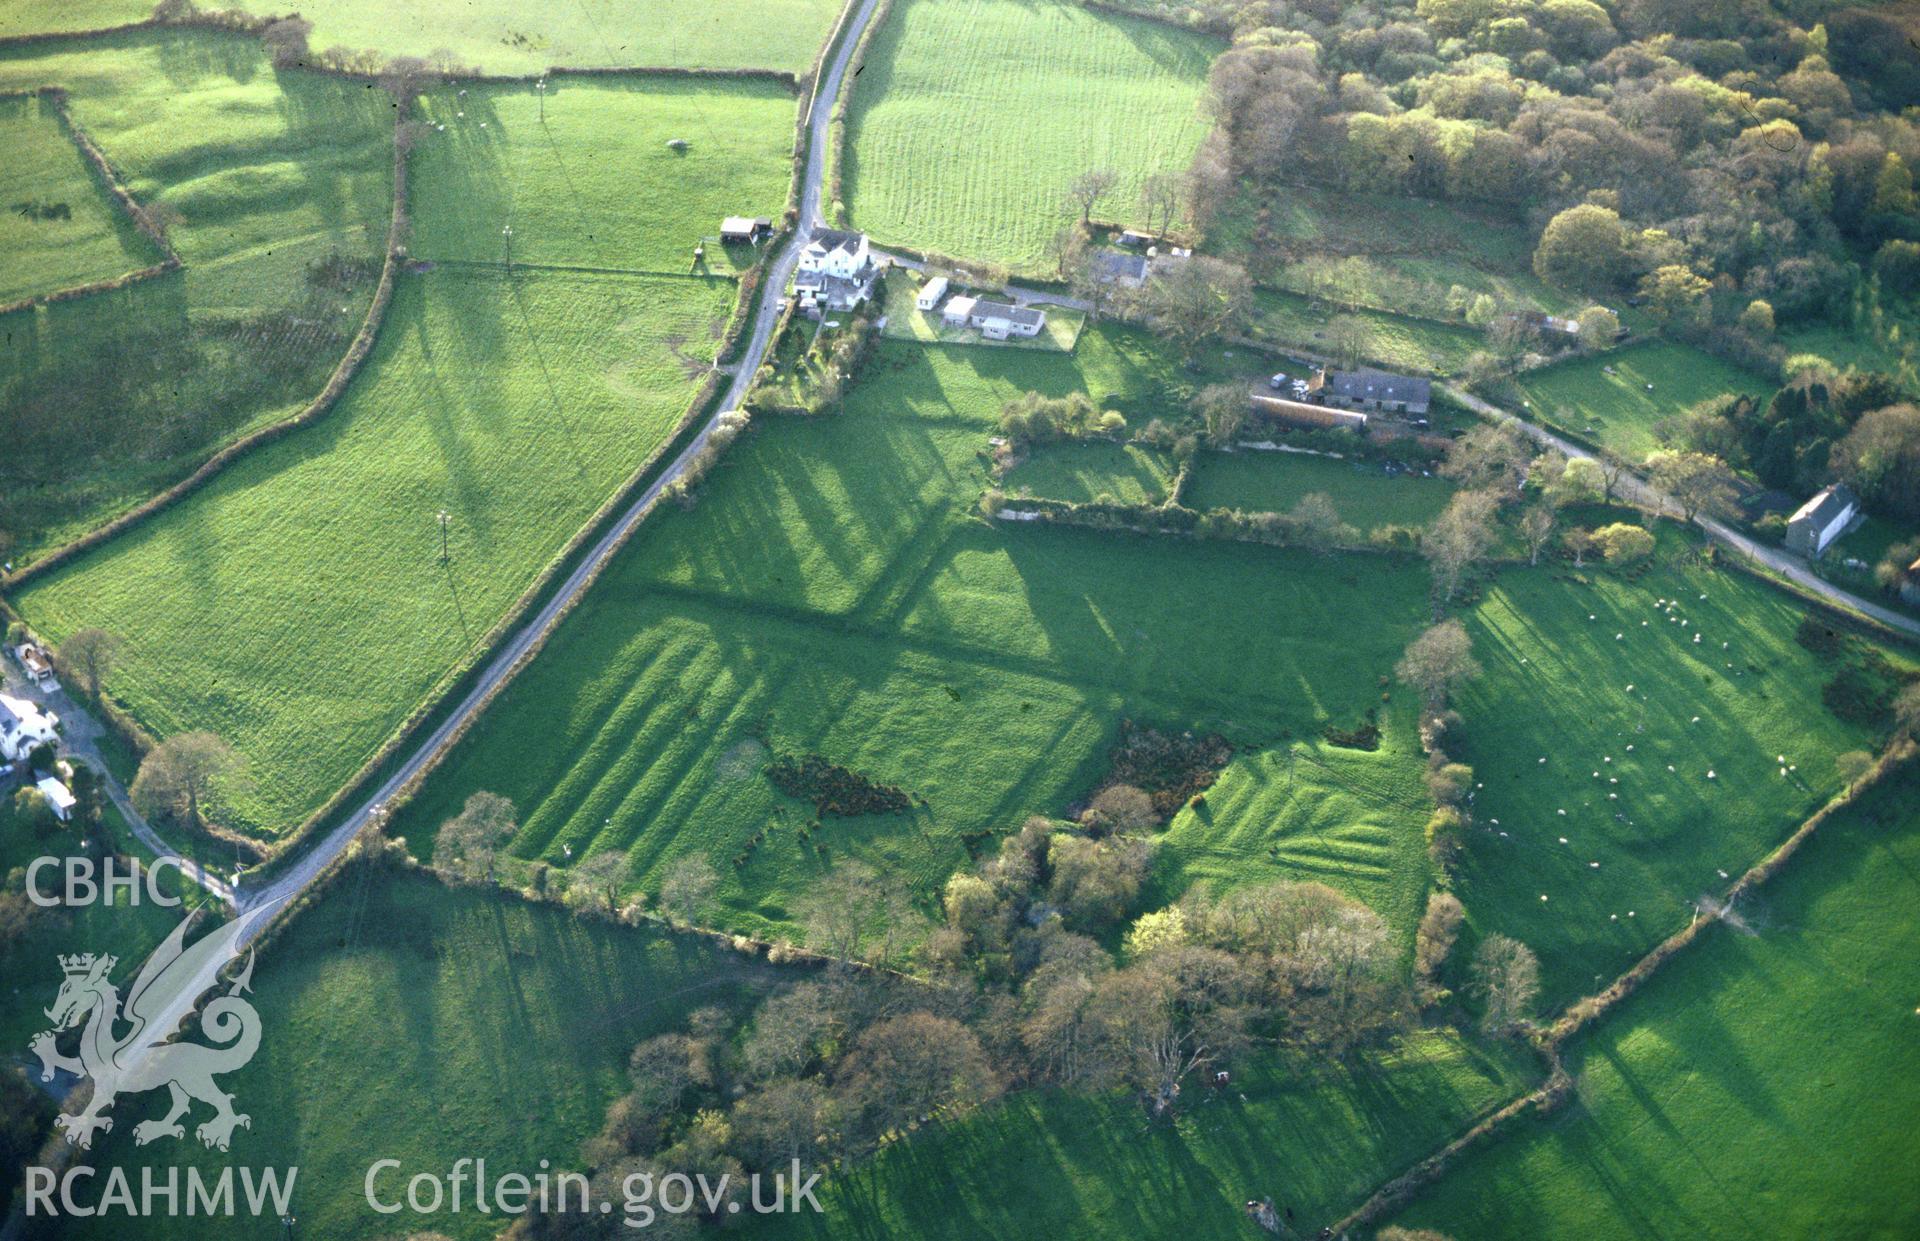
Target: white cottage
[{"x": 23, "y": 725}]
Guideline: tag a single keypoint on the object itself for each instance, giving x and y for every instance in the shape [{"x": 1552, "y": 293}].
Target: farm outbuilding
[
  {"x": 1379, "y": 391},
  {"x": 1301, "y": 414},
  {"x": 744, "y": 230},
  {"x": 1113, "y": 267}
]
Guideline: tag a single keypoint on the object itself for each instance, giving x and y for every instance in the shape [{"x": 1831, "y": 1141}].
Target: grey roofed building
[
  {"x": 1821, "y": 520},
  {"x": 832, "y": 239},
  {"x": 1113, "y": 267},
  {"x": 1022, "y": 315},
  {"x": 1377, "y": 390}
]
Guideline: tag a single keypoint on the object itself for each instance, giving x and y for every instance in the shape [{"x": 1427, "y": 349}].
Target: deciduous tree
[
  {"x": 1438, "y": 661},
  {"x": 181, "y": 773},
  {"x": 1506, "y": 981},
  {"x": 468, "y": 842}
]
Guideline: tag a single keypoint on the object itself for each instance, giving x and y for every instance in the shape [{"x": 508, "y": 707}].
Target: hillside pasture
[
  {"x": 1764, "y": 1082},
  {"x": 1599, "y": 719},
  {"x": 18, "y": 17},
  {"x": 279, "y": 189},
  {"x": 1401, "y": 342},
  {"x": 594, "y": 183},
  {"x": 830, "y": 593},
  {"x": 1274, "y": 482},
  {"x": 1618, "y": 399},
  {"x": 298, "y": 605},
  {"x": 405, "y": 1019},
  {"x": 501, "y": 37},
  {"x": 1313, "y": 1137},
  {"x": 972, "y": 118},
  {"x": 58, "y": 228}
]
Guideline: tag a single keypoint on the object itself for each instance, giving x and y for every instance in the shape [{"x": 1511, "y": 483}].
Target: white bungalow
[{"x": 999, "y": 320}]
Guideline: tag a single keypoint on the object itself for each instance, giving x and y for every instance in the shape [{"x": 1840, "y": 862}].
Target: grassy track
[
  {"x": 402, "y": 1019},
  {"x": 831, "y": 594},
  {"x": 1557, "y": 687},
  {"x": 1126, "y": 473},
  {"x": 504, "y": 37},
  {"x": 1606, "y": 397},
  {"x": 1274, "y": 482},
  {"x": 264, "y": 174},
  {"x": 1761, "y": 1085},
  {"x": 298, "y": 605},
  {"x": 45, "y": 169},
  {"x": 1315, "y": 1138},
  {"x": 595, "y": 184},
  {"x": 973, "y": 116}
]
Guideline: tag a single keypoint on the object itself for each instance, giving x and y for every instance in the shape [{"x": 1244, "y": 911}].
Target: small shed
[
  {"x": 931, "y": 292},
  {"x": 59, "y": 798},
  {"x": 744, "y": 230},
  {"x": 1135, "y": 239}
]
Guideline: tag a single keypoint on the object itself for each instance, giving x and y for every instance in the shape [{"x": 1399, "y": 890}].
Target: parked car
[{"x": 1278, "y": 382}]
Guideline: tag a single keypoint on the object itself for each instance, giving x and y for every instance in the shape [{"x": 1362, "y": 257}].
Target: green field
[
  {"x": 1763, "y": 1084},
  {"x": 973, "y": 116},
  {"x": 298, "y": 605},
  {"x": 1579, "y": 692},
  {"x": 263, "y": 174},
  {"x": 402, "y": 1019},
  {"x": 1273, "y": 482},
  {"x": 502, "y": 37},
  {"x": 45, "y": 171},
  {"x": 830, "y": 593},
  {"x": 18, "y": 17},
  {"x": 1398, "y": 341},
  {"x": 1127, "y": 473},
  {"x": 1315, "y": 1137},
  {"x": 594, "y": 184},
  {"x": 1616, "y": 399}
]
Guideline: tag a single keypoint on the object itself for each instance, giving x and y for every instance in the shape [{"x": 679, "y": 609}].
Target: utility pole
[
  {"x": 541, "y": 86},
  {"x": 507, "y": 234},
  {"x": 444, "y": 519}
]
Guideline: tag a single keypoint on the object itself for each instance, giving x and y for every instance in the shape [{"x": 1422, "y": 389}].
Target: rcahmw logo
[{"x": 122, "y": 1049}]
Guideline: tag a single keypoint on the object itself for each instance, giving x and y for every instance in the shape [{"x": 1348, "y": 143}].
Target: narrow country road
[
  {"x": 257, "y": 905},
  {"x": 1645, "y": 494}
]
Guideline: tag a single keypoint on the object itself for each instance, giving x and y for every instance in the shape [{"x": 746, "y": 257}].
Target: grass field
[
  {"x": 1617, "y": 398},
  {"x": 264, "y": 174},
  {"x": 1314, "y": 1137},
  {"x": 1612, "y": 696},
  {"x": 595, "y": 183},
  {"x": 18, "y": 17},
  {"x": 973, "y": 116},
  {"x": 1127, "y": 473},
  {"x": 1761, "y": 1084},
  {"x": 1398, "y": 341},
  {"x": 46, "y": 171},
  {"x": 402, "y": 1019},
  {"x": 1273, "y": 482},
  {"x": 502, "y": 37},
  {"x": 298, "y": 605},
  {"x": 831, "y": 594}
]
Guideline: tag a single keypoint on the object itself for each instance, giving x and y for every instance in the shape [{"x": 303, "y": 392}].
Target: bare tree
[
  {"x": 1346, "y": 339},
  {"x": 909, "y": 1066},
  {"x": 1506, "y": 979},
  {"x": 1179, "y": 1009},
  {"x": 1196, "y": 300},
  {"x": 1488, "y": 455},
  {"x": 1223, "y": 408},
  {"x": 598, "y": 877},
  {"x": 856, "y": 914},
  {"x": 1096, "y": 881},
  {"x": 1068, "y": 249},
  {"x": 789, "y": 1030},
  {"x": 689, "y": 883},
  {"x": 1089, "y": 188},
  {"x": 1317, "y": 523},
  {"x": 469, "y": 840},
  {"x": 1581, "y": 543},
  {"x": 1458, "y": 539},
  {"x": 178, "y": 776},
  {"x": 1160, "y": 195},
  {"x": 782, "y": 1122},
  {"x": 1536, "y": 527},
  {"x": 91, "y": 653},
  {"x": 1698, "y": 482},
  {"x": 1438, "y": 661}
]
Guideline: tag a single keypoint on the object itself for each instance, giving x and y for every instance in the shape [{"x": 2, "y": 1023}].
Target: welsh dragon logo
[{"x": 141, "y": 1059}]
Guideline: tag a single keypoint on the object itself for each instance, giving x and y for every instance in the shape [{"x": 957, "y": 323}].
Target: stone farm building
[
  {"x": 1113, "y": 267},
  {"x": 1821, "y": 520},
  {"x": 1376, "y": 391},
  {"x": 995, "y": 320}
]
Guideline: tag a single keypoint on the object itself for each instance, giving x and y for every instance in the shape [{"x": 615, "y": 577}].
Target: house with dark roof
[
  {"x": 1821, "y": 520},
  {"x": 23, "y": 725},
  {"x": 1377, "y": 391},
  {"x": 999, "y": 320}
]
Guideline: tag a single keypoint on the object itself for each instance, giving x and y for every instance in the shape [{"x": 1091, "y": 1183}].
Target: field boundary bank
[
  {"x": 444, "y": 695},
  {"x": 421, "y": 265},
  {"x": 129, "y": 206},
  {"x": 835, "y": 208},
  {"x": 1589, "y": 1010},
  {"x": 316, "y": 409}
]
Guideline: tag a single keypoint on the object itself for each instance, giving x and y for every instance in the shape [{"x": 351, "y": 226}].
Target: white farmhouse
[
  {"x": 836, "y": 252},
  {"x": 1821, "y": 520},
  {"x": 836, "y": 271},
  {"x": 23, "y": 725}
]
